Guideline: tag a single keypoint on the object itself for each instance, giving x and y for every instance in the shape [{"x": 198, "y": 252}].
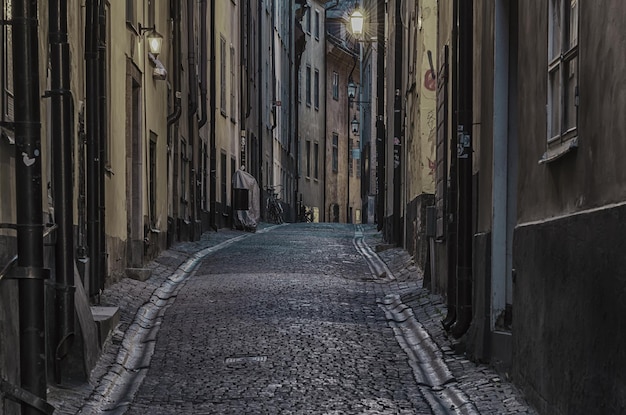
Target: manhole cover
[{"x": 245, "y": 359}]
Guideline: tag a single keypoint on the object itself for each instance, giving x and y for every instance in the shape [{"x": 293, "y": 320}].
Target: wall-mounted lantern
[
  {"x": 154, "y": 38},
  {"x": 355, "y": 125}
]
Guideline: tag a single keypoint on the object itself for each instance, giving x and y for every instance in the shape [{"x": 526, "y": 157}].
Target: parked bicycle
[{"x": 273, "y": 206}]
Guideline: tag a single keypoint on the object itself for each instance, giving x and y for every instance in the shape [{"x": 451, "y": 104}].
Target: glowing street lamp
[{"x": 356, "y": 20}]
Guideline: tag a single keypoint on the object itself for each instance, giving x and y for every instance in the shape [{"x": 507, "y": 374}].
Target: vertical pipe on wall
[
  {"x": 28, "y": 188},
  {"x": 397, "y": 128},
  {"x": 61, "y": 131},
  {"x": 380, "y": 115},
  {"x": 452, "y": 196},
  {"x": 174, "y": 116},
  {"x": 191, "y": 114},
  {"x": 212, "y": 92},
  {"x": 203, "y": 64},
  {"x": 93, "y": 147},
  {"x": 102, "y": 134},
  {"x": 465, "y": 233}
]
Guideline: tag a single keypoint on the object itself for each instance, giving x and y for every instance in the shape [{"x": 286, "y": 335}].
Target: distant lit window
[{"x": 335, "y": 82}]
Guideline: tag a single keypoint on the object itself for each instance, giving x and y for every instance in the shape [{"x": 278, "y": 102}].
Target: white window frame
[{"x": 562, "y": 97}]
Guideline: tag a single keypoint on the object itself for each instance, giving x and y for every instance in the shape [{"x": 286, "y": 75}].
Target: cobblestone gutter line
[
  {"x": 435, "y": 380},
  {"x": 118, "y": 387},
  {"x": 490, "y": 392},
  {"x": 378, "y": 268}
]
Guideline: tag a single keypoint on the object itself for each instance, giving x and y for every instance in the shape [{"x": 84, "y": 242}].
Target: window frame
[
  {"x": 316, "y": 88},
  {"x": 223, "y": 75},
  {"x": 308, "y": 85},
  {"x": 562, "y": 101},
  {"x": 335, "y": 153}
]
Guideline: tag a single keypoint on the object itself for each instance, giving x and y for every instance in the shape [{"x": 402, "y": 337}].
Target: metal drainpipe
[
  {"x": 102, "y": 135},
  {"x": 203, "y": 100},
  {"x": 260, "y": 113},
  {"x": 28, "y": 187},
  {"x": 397, "y": 129},
  {"x": 212, "y": 92},
  {"x": 464, "y": 263},
  {"x": 203, "y": 63},
  {"x": 191, "y": 114},
  {"x": 93, "y": 149},
  {"x": 61, "y": 130},
  {"x": 452, "y": 208},
  {"x": 380, "y": 123},
  {"x": 172, "y": 137}
]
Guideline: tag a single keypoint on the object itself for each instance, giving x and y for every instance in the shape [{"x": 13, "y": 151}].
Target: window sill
[{"x": 558, "y": 151}]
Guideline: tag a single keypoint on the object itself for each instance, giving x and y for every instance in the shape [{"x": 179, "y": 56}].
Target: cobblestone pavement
[{"x": 286, "y": 321}]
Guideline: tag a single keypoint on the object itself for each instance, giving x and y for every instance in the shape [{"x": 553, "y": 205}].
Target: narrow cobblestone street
[{"x": 290, "y": 320}]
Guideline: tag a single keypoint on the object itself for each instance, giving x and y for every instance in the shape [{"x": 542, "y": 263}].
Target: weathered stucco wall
[
  {"x": 568, "y": 295},
  {"x": 592, "y": 175}
]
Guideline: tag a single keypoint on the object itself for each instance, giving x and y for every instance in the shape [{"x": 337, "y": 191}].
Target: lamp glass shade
[
  {"x": 351, "y": 89},
  {"x": 356, "y": 20},
  {"x": 155, "y": 41},
  {"x": 355, "y": 125}
]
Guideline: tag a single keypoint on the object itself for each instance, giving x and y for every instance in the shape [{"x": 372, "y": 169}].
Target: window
[
  {"x": 316, "y": 27},
  {"x": 308, "y": 85},
  {"x": 316, "y": 88},
  {"x": 562, "y": 77},
  {"x": 8, "y": 97},
  {"x": 308, "y": 158},
  {"x": 152, "y": 178},
  {"x": 223, "y": 75},
  {"x": 350, "y": 158},
  {"x": 357, "y": 152},
  {"x": 335, "y": 159},
  {"x": 232, "y": 84},
  {"x": 308, "y": 21},
  {"x": 183, "y": 170},
  {"x": 151, "y": 12},
  {"x": 335, "y": 83},
  {"x": 316, "y": 153},
  {"x": 223, "y": 180},
  {"x": 130, "y": 13}
]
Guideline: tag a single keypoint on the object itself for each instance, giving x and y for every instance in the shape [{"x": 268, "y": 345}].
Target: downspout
[
  {"x": 200, "y": 155},
  {"x": 172, "y": 118},
  {"x": 292, "y": 130},
  {"x": 30, "y": 270},
  {"x": 61, "y": 131},
  {"x": 212, "y": 92},
  {"x": 175, "y": 12},
  {"x": 464, "y": 263},
  {"x": 380, "y": 121},
  {"x": 93, "y": 148},
  {"x": 452, "y": 208},
  {"x": 102, "y": 134},
  {"x": 397, "y": 129},
  {"x": 260, "y": 106},
  {"x": 244, "y": 108},
  {"x": 191, "y": 114},
  {"x": 203, "y": 64}
]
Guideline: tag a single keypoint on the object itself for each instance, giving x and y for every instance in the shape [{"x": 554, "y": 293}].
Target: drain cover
[{"x": 245, "y": 359}]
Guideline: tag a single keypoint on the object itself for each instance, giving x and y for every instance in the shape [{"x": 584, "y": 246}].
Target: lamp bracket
[{"x": 143, "y": 29}]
